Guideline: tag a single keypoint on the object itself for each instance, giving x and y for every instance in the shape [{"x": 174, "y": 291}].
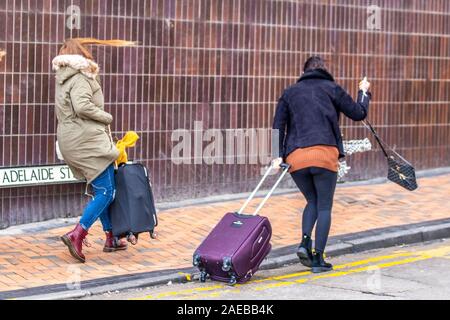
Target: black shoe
[
  {"x": 319, "y": 264},
  {"x": 304, "y": 251}
]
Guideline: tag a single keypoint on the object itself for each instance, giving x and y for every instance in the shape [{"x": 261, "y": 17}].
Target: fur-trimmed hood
[{"x": 77, "y": 63}]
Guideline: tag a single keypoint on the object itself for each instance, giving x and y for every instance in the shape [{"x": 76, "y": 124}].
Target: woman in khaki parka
[{"x": 84, "y": 138}]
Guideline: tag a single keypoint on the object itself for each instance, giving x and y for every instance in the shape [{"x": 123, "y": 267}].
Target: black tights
[{"x": 318, "y": 186}]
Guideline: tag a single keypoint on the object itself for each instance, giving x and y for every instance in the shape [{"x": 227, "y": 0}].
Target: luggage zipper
[{"x": 148, "y": 178}]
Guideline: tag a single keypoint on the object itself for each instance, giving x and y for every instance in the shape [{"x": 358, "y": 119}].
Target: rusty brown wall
[{"x": 223, "y": 62}]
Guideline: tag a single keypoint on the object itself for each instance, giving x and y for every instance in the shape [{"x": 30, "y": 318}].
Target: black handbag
[{"x": 400, "y": 171}]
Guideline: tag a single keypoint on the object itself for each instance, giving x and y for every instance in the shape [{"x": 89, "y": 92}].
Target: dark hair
[{"x": 314, "y": 62}]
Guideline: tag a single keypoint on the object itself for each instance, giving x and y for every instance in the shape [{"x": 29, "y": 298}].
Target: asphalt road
[{"x": 419, "y": 271}]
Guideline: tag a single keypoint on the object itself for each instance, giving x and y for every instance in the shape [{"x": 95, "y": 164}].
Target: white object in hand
[
  {"x": 350, "y": 147},
  {"x": 354, "y": 146},
  {"x": 276, "y": 163},
  {"x": 343, "y": 169}
]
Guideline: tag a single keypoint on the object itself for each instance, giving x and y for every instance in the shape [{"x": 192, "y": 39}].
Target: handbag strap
[
  {"x": 370, "y": 127},
  {"x": 382, "y": 144}
]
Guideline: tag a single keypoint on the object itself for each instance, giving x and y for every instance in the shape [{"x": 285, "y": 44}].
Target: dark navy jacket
[{"x": 308, "y": 112}]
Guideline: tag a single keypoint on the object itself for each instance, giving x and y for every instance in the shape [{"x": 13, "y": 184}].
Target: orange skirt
[{"x": 321, "y": 156}]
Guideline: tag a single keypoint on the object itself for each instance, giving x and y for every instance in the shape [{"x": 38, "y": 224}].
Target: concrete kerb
[{"x": 408, "y": 235}]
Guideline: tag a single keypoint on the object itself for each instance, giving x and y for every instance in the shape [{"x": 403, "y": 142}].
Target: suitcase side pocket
[{"x": 260, "y": 244}]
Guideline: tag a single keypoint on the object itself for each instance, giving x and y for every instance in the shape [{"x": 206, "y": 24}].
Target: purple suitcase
[{"x": 237, "y": 245}]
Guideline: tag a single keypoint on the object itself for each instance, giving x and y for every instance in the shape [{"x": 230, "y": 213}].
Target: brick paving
[{"x": 40, "y": 259}]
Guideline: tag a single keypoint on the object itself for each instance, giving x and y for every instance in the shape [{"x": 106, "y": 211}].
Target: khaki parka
[{"x": 83, "y": 132}]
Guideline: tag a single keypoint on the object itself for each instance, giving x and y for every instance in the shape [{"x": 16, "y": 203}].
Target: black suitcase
[{"x": 133, "y": 209}]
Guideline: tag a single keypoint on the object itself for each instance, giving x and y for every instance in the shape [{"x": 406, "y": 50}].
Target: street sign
[{"x": 39, "y": 175}]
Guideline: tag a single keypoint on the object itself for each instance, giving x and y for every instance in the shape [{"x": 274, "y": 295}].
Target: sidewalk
[{"x": 41, "y": 259}]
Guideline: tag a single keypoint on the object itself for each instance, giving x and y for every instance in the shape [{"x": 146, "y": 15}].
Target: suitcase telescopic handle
[{"x": 285, "y": 168}]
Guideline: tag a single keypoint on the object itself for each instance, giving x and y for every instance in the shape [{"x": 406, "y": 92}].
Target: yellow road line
[
  {"x": 210, "y": 295},
  {"x": 414, "y": 256},
  {"x": 340, "y": 273},
  {"x": 338, "y": 267},
  {"x": 420, "y": 256},
  {"x": 374, "y": 259},
  {"x": 277, "y": 278},
  {"x": 186, "y": 291}
]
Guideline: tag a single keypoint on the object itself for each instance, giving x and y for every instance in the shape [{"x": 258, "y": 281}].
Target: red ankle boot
[
  {"x": 112, "y": 244},
  {"x": 74, "y": 240}
]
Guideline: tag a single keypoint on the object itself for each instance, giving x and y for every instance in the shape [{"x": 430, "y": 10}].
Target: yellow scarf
[{"x": 129, "y": 140}]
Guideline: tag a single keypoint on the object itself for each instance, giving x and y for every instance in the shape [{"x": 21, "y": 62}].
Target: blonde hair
[
  {"x": 78, "y": 45},
  {"x": 2, "y": 54}
]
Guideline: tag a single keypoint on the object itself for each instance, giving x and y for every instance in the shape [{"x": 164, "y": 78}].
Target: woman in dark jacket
[{"x": 310, "y": 140}]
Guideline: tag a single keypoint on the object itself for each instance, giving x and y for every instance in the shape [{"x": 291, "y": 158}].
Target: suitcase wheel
[
  {"x": 232, "y": 281},
  {"x": 203, "y": 276},
  {"x": 133, "y": 239},
  {"x": 153, "y": 234},
  {"x": 226, "y": 264},
  {"x": 196, "y": 260}
]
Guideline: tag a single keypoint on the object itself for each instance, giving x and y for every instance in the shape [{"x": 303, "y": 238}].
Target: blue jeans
[{"x": 104, "y": 187}]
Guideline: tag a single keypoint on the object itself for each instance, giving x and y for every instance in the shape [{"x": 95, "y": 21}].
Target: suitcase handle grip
[{"x": 285, "y": 168}]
